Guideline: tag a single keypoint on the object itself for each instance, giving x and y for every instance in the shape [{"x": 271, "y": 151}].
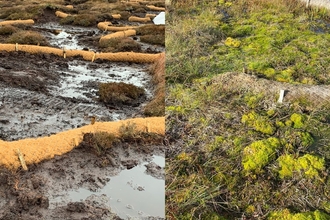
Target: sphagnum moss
[{"x": 227, "y": 166}]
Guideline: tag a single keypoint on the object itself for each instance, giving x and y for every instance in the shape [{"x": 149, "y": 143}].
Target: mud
[
  {"x": 49, "y": 189},
  {"x": 44, "y": 94}
]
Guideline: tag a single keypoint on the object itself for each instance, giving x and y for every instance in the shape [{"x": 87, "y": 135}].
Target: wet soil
[
  {"x": 44, "y": 94},
  {"x": 42, "y": 191}
]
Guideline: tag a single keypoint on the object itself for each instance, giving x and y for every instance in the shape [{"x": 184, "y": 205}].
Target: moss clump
[
  {"x": 150, "y": 29},
  {"x": 299, "y": 139},
  {"x": 308, "y": 164},
  {"x": 231, "y": 42},
  {"x": 27, "y": 37},
  {"x": 259, "y": 123},
  {"x": 259, "y": 154},
  {"x": 119, "y": 93},
  {"x": 298, "y": 120},
  {"x": 252, "y": 100},
  {"x": 98, "y": 142},
  {"x": 84, "y": 20},
  {"x": 8, "y": 30},
  {"x": 286, "y": 215},
  {"x": 158, "y": 39},
  {"x": 157, "y": 106},
  {"x": 120, "y": 45}
]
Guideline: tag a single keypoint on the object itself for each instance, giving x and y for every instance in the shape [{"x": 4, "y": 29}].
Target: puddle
[
  {"x": 74, "y": 83},
  {"x": 131, "y": 194},
  {"x": 65, "y": 36}
]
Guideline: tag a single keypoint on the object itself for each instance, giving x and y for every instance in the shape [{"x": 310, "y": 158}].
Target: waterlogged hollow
[
  {"x": 130, "y": 194},
  {"x": 67, "y": 36},
  {"x": 75, "y": 81}
]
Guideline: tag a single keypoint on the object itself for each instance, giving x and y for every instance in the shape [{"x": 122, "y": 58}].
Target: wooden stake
[{"x": 21, "y": 158}]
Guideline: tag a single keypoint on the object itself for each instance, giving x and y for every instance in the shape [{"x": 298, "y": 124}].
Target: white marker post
[{"x": 280, "y": 99}]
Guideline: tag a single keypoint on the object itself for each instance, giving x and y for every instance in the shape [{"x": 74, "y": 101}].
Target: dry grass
[
  {"x": 120, "y": 45},
  {"x": 27, "y": 37},
  {"x": 158, "y": 39},
  {"x": 157, "y": 106},
  {"x": 150, "y": 29},
  {"x": 8, "y": 30},
  {"x": 119, "y": 93}
]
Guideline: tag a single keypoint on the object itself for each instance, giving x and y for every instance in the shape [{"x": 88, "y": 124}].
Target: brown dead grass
[
  {"x": 157, "y": 106},
  {"x": 120, "y": 45},
  {"x": 119, "y": 93},
  {"x": 27, "y": 37}
]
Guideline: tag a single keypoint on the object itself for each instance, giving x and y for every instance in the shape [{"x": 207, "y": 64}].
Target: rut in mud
[{"x": 48, "y": 190}]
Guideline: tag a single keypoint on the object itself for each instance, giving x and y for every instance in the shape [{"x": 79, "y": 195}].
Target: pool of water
[{"x": 131, "y": 194}]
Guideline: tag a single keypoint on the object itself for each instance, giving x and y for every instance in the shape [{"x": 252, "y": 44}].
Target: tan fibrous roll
[
  {"x": 107, "y": 26},
  {"x": 128, "y": 57},
  {"x": 151, "y": 16},
  {"x": 28, "y": 21},
  {"x": 154, "y": 8},
  {"x": 34, "y": 49},
  {"x": 138, "y": 19},
  {"x": 8, "y": 47},
  {"x": 116, "y": 16},
  {"x": 119, "y": 34},
  {"x": 69, "y": 6},
  {"x": 113, "y": 28},
  {"x": 36, "y": 150},
  {"x": 61, "y": 14},
  {"x": 87, "y": 55},
  {"x": 104, "y": 25}
]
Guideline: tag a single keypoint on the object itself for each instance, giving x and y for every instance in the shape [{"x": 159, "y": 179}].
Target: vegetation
[
  {"x": 120, "y": 45},
  {"x": 27, "y": 37},
  {"x": 119, "y": 93},
  {"x": 100, "y": 142},
  {"x": 235, "y": 153},
  {"x": 281, "y": 41},
  {"x": 156, "y": 107}
]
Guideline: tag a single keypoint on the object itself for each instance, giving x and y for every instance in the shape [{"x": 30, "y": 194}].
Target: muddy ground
[
  {"x": 42, "y": 191},
  {"x": 43, "y": 94},
  {"x": 34, "y": 102}
]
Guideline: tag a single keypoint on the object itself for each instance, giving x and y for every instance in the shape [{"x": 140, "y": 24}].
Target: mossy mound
[
  {"x": 120, "y": 45},
  {"x": 286, "y": 214},
  {"x": 27, "y": 37},
  {"x": 259, "y": 153},
  {"x": 120, "y": 93},
  {"x": 8, "y": 30},
  {"x": 309, "y": 165},
  {"x": 158, "y": 39},
  {"x": 150, "y": 29},
  {"x": 84, "y": 20}
]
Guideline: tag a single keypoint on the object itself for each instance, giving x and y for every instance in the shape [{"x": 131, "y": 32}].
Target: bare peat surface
[
  {"x": 44, "y": 94},
  {"x": 125, "y": 183}
]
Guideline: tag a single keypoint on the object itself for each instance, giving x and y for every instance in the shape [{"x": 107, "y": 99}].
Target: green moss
[
  {"x": 308, "y": 164},
  {"x": 259, "y": 154},
  {"x": 253, "y": 100},
  {"x": 311, "y": 165},
  {"x": 287, "y": 165},
  {"x": 287, "y": 215},
  {"x": 260, "y": 123},
  {"x": 298, "y": 120},
  {"x": 231, "y": 42},
  {"x": 306, "y": 139}
]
